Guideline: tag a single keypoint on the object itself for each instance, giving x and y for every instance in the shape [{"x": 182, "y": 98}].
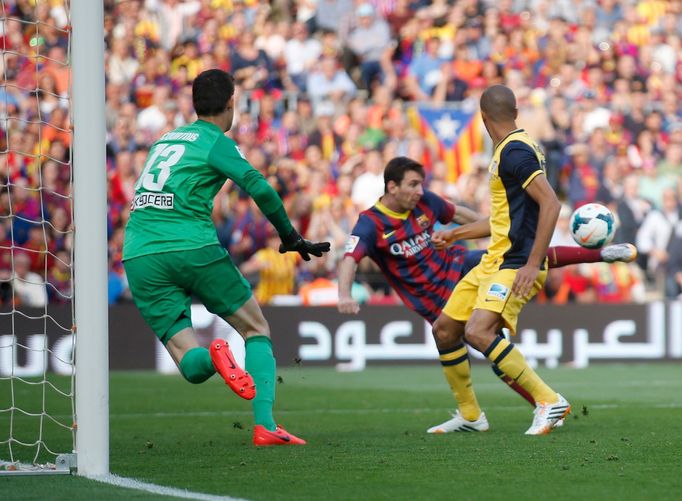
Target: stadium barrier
[{"x": 574, "y": 335}]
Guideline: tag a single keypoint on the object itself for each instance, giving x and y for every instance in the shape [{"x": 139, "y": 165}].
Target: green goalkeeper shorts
[{"x": 163, "y": 284}]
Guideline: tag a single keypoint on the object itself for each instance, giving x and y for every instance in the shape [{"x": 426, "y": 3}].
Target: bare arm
[
  {"x": 471, "y": 231},
  {"x": 441, "y": 89},
  {"x": 346, "y": 275},
  {"x": 549, "y": 206},
  {"x": 413, "y": 87},
  {"x": 464, "y": 215},
  {"x": 540, "y": 190}
]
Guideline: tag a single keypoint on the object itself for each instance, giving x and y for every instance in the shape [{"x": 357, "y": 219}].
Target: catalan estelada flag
[{"x": 453, "y": 133}]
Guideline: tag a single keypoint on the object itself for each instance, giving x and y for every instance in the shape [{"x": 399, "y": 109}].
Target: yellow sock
[
  {"x": 457, "y": 371},
  {"x": 502, "y": 353}
]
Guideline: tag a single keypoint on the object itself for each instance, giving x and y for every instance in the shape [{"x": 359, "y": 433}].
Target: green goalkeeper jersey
[{"x": 174, "y": 194}]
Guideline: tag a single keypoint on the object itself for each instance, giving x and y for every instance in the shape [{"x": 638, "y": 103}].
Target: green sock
[
  {"x": 196, "y": 366},
  {"x": 260, "y": 363}
]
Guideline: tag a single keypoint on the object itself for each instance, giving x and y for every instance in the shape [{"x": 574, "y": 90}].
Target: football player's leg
[
  {"x": 513, "y": 384},
  {"x": 448, "y": 332},
  {"x": 165, "y": 306},
  {"x": 209, "y": 274},
  {"x": 497, "y": 306},
  {"x": 454, "y": 359},
  {"x": 564, "y": 256},
  {"x": 194, "y": 361},
  {"x": 480, "y": 333},
  {"x": 471, "y": 260},
  {"x": 551, "y": 407},
  {"x": 249, "y": 321},
  {"x": 225, "y": 292}
]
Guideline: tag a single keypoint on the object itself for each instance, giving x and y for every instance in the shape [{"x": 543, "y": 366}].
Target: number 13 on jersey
[{"x": 157, "y": 170}]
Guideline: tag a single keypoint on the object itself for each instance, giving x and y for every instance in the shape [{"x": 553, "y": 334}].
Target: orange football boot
[
  {"x": 263, "y": 437},
  {"x": 235, "y": 377}
]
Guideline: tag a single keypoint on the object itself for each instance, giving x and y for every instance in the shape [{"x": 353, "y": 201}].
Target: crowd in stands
[{"x": 322, "y": 87}]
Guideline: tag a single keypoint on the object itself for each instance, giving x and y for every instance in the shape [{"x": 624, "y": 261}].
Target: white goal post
[
  {"x": 90, "y": 245},
  {"x": 88, "y": 419}
]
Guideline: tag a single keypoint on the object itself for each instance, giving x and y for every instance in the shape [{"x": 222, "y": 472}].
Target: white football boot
[
  {"x": 545, "y": 416},
  {"x": 458, "y": 423},
  {"x": 625, "y": 253}
]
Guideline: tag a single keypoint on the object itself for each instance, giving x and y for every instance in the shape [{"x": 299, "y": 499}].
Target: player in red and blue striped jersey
[
  {"x": 399, "y": 243},
  {"x": 396, "y": 234}
]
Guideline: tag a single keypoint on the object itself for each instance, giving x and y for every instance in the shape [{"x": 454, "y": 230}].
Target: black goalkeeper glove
[{"x": 296, "y": 243}]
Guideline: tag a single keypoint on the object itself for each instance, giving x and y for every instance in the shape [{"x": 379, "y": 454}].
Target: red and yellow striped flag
[{"x": 453, "y": 133}]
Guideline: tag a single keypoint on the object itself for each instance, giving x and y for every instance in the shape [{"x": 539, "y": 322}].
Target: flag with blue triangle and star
[{"x": 453, "y": 133}]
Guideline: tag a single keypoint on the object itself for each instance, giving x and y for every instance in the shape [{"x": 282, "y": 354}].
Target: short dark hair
[
  {"x": 397, "y": 167},
  {"x": 211, "y": 91}
]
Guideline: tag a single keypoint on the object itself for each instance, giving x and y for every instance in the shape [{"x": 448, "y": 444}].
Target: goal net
[{"x": 38, "y": 307}]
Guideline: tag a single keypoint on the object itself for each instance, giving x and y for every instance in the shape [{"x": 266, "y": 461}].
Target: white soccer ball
[{"x": 593, "y": 226}]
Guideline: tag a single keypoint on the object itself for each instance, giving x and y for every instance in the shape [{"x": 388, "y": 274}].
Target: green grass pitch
[{"x": 366, "y": 438}]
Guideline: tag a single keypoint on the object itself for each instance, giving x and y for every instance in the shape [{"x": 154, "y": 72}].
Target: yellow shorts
[{"x": 483, "y": 290}]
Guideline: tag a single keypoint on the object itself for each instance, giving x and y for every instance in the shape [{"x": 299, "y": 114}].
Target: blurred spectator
[
  {"x": 28, "y": 287},
  {"x": 631, "y": 210},
  {"x": 611, "y": 188},
  {"x": 324, "y": 291},
  {"x": 331, "y": 221},
  {"x": 369, "y": 186},
  {"x": 305, "y": 13},
  {"x": 276, "y": 273},
  {"x": 562, "y": 232},
  {"x": 5, "y": 247},
  {"x": 330, "y": 83},
  {"x": 599, "y": 282},
  {"x": 368, "y": 41},
  {"x": 36, "y": 249},
  {"x": 251, "y": 67},
  {"x": 324, "y": 138},
  {"x": 26, "y": 207},
  {"x": 153, "y": 118},
  {"x": 656, "y": 231},
  {"x": 595, "y": 116},
  {"x": 450, "y": 87},
  {"x": 248, "y": 231},
  {"x": 301, "y": 54},
  {"x": 172, "y": 15},
  {"x": 121, "y": 65},
  {"x": 424, "y": 73},
  {"x": 667, "y": 173},
  {"x": 320, "y": 291},
  {"x": 673, "y": 288},
  {"x": 331, "y": 13},
  {"x": 59, "y": 279},
  {"x": 583, "y": 178}
]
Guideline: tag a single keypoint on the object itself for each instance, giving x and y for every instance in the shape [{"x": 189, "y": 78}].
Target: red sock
[
  {"x": 563, "y": 256},
  {"x": 513, "y": 385},
  {"x": 519, "y": 389}
]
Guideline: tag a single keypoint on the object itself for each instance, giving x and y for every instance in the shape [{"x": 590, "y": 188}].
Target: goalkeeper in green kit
[{"x": 171, "y": 252}]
